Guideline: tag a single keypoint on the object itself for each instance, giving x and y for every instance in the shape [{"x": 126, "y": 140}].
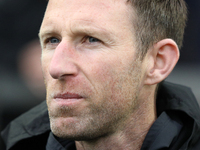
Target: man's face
[{"x": 92, "y": 72}]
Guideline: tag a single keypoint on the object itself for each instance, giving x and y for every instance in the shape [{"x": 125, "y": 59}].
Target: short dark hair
[{"x": 158, "y": 19}]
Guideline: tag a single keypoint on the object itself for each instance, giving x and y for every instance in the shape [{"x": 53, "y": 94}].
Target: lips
[{"x": 67, "y": 96}]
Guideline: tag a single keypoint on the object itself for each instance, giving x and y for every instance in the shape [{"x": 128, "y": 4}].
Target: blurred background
[{"x": 21, "y": 81}]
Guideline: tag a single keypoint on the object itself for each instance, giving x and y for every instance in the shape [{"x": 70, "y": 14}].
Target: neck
[
  {"x": 131, "y": 134},
  {"x": 130, "y": 138}
]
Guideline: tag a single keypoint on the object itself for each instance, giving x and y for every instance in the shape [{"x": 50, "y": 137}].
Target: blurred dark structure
[
  {"x": 19, "y": 24},
  {"x": 191, "y": 46},
  {"x": 20, "y": 21}
]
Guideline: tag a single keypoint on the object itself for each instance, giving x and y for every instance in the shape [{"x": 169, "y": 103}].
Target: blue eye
[
  {"x": 54, "y": 40},
  {"x": 92, "y": 39}
]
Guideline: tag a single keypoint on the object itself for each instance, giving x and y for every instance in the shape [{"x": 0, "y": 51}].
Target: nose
[{"x": 63, "y": 62}]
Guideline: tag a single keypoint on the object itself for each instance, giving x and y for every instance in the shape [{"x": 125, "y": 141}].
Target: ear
[{"x": 161, "y": 59}]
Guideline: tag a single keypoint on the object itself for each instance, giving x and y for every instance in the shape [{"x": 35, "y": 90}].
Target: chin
[
  {"x": 72, "y": 134},
  {"x": 72, "y": 129}
]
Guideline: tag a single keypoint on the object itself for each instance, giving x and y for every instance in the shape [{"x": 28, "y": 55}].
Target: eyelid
[
  {"x": 47, "y": 44},
  {"x": 46, "y": 35},
  {"x": 87, "y": 38},
  {"x": 50, "y": 38}
]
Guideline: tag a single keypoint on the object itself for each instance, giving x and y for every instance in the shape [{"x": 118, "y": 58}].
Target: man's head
[{"x": 98, "y": 83}]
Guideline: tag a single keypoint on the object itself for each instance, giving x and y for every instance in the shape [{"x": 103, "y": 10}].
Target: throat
[
  {"x": 117, "y": 141},
  {"x": 130, "y": 134}
]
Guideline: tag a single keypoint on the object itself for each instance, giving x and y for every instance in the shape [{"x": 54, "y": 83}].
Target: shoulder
[
  {"x": 33, "y": 123},
  {"x": 177, "y": 97},
  {"x": 181, "y": 101}
]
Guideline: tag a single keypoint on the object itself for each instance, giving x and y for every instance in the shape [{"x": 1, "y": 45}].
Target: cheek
[
  {"x": 45, "y": 61},
  {"x": 118, "y": 81},
  {"x": 109, "y": 80}
]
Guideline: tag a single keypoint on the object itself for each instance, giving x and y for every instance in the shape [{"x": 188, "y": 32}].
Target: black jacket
[{"x": 30, "y": 131}]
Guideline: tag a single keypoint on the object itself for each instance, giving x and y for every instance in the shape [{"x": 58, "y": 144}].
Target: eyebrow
[
  {"x": 91, "y": 30},
  {"x": 46, "y": 32},
  {"x": 78, "y": 27}
]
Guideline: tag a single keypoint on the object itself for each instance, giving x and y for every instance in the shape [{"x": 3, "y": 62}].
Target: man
[{"x": 103, "y": 64}]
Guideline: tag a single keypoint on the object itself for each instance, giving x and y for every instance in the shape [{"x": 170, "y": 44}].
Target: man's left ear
[{"x": 162, "y": 58}]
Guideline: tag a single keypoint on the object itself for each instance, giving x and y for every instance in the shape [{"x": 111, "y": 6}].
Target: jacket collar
[{"x": 170, "y": 97}]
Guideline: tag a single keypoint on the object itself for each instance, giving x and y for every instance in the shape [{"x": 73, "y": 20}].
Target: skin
[{"x": 88, "y": 50}]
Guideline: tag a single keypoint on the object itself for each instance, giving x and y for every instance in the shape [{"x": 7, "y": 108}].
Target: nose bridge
[{"x": 63, "y": 61}]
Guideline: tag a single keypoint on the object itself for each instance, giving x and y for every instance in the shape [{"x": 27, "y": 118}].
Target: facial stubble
[{"x": 98, "y": 121}]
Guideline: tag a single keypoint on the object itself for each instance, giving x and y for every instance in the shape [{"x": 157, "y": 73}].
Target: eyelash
[
  {"x": 88, "y": 38},
  {"x": 48, "y": 40}
]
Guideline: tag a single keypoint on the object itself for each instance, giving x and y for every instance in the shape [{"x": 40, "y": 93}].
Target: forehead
[
  {"x": 98, "y": 11},
  {"x": 83, "y": 6}
]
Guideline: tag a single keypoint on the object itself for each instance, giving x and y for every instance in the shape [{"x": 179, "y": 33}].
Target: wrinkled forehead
[
  {"x": 66, "y": 15},
  {"x": 90, "y": 8},
  {"x": 78, "y": 3}
]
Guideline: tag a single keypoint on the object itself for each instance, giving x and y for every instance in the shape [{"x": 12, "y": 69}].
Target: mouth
[{"x": 67, "y": 98}]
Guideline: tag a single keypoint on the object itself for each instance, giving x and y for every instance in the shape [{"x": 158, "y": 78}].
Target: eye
[
  {"x": 53, "y": 40},
  {"x": 51, "y": 43},
  {"x": 92, "y": 39}
]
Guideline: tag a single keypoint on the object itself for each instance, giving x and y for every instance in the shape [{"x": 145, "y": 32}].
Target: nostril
[
  {"x": 54, "y": 72},
  {"x": 63, "y": 69}
]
